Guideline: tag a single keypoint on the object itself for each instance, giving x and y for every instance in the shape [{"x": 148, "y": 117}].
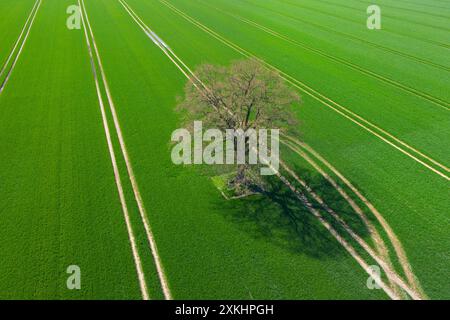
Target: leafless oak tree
[{"x": 245, "y": 95}]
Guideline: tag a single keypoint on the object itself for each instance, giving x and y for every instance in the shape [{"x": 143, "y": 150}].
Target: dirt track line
[
  {"x": 347, "y": 246},
  {"x": 18, "y": 39},
  {"x": 2, "y": 87},
  {"x": 142, "y": 211},
  {"x": 401, "y": 254},
  {"x": 376, "y": 237},
  {"x": 340, "y": 239},
  {"x": 390, "y": 273},
  {"x": 131, "y": 237},
  {"x": 423, "y": 95},
  {"x": 342, "y": 192},
  {"x": 320, "y": 97},
  {"x": 381, "y": 247}
]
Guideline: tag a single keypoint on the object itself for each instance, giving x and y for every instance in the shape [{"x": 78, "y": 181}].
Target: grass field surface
[{"x": 87, "y": 178}]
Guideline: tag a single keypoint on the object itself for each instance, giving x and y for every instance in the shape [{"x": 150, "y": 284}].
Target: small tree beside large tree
[{"x": 244, "y": 96}]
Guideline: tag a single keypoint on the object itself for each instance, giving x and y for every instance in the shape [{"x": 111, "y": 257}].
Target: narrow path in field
[
  {"x": 376, "y": 237},
  {"x": 295, "y": 146},
  {"x": 361, "y": 40},
  {"x": 142, "y": 211},
  {"x": 348, "y": 247},
  {"x": 22, "y": 42},
  {"x": 355, "y": 118},
  {"x": 391, "y": 274},
  {"x": 401, "y": 254},
  {"x": 131, "y": 237},
  {"x": 428, "y": 97}
]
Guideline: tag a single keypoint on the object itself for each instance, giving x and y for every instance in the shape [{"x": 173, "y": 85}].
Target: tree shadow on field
[{"x": 279, "y": 216}]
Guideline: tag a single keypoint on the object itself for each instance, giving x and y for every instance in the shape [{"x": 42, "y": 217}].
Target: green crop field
[{"x": 87, "y": 179}]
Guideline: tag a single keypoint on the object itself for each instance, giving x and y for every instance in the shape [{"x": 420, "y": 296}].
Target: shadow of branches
[{"x": 279, "y": 216}]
